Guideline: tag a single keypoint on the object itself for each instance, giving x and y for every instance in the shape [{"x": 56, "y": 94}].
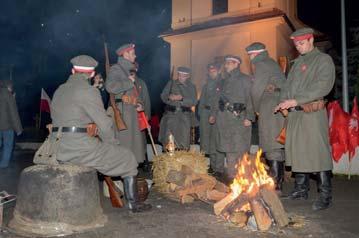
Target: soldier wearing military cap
[
  {"x": 122, "y": 83},
  {"x": 144, "y": 98},
  {"x": 180, "y": 96},
  {"x": 233, "y": 114},
  {"x": 75, "y": 105},
  {"x": 268, "y": 81},
  {"x": 307, "y": 149},
  {"x": 208, "y": 132}
]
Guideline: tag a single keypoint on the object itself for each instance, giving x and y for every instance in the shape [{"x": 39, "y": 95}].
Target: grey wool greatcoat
[
  {"x": 9, "y": 116},
  {"x": 267, "y": 74},
  {"x": 118, "y": 83},
  {"x": 77, "y": 103},
  {"x": 208, "y": 132},
  {"x": 234, "y": 137},
  {"x": 178, "y": 123},
  {"x": 307, "y": 139}
]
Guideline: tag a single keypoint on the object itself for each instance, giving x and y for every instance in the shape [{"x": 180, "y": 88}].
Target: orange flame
[{"x": 251, "y": 175}]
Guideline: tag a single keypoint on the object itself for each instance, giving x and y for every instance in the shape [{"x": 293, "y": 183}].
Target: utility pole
[{"x": 344, "y": 58}]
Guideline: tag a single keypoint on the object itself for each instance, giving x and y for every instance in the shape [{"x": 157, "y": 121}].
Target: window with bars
[{"x": 219, "y": 6}]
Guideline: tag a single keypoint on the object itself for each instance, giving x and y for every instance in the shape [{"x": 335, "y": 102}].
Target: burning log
[
  {"x": 270, "y": 197},
  {"x": 252, "y": 191},
  {"x": 261, "y": 215}
]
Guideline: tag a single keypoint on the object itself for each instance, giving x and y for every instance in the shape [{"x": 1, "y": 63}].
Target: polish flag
[
  {"x": 45, "y": 102},
  {"x": 354, "y": 130}
]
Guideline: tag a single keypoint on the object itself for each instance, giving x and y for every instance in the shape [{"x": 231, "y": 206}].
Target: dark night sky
[{"x": 40, "y": 37}]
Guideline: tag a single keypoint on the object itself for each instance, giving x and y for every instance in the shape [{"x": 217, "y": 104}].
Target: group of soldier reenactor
[{"x": 230, "y": 102}]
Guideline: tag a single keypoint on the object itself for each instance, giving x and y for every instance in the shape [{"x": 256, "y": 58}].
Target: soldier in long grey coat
[
  {"x": 265, "y": 94},
  {"x": 75, "y": 105},
  {"x": 144, "y": 98},
  {"x": 179, "y": 96},
  {"x": 233, "y": 115},
  {"x": 208, "y": 132},
  {"x": 123, "y": 85},
  {"x": 307, "y": 149}
]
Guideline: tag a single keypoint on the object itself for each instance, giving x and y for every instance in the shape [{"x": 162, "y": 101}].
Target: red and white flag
[
  {"x": 354, "y": 130},
  {"x": 45, "y": 102}
]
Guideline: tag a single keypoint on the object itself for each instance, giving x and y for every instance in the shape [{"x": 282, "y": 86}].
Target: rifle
[
  {"x": 172, "y": 79},
  {"x": 120, "y": 124},
  {"x": 115, "y": 195}
]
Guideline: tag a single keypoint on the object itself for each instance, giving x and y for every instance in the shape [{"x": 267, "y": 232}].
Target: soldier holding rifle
[{"x": 121, "y": 83}]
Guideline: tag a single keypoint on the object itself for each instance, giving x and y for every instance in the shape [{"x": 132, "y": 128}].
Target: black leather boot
[
  {"x": 325, "y": 191},
  {"x": 301, "y": 187},
  {"x": 130, "y": 186},
  {"x": 276, "y": 171}
]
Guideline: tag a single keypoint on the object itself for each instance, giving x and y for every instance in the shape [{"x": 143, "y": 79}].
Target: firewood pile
[
  {"x": 183, "y": 177},
  {"x": 252, "y": 196}
]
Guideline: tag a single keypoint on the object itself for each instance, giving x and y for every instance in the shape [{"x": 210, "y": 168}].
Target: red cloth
[
  {"x": 45, "y": 102},
  {"x": 155, "y": 125},
  {"x": 353, "y": 129},
  {"x": 338, "y": 130},
  {"x": 142, "y": 121}
]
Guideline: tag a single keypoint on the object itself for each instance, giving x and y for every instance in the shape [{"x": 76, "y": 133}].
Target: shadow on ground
[{"x": 170, "y": 219}]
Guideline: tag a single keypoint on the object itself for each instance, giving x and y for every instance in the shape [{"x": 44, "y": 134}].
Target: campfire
[{"x": 252, "y": 195}]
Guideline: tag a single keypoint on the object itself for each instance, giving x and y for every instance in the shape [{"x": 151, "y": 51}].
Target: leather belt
[
  {"x": 175, "y": 109},
  {"x": 72, "y": 129}
]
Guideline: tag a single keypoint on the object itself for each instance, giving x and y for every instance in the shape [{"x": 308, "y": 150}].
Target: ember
[{"x": 252, "y": 193}]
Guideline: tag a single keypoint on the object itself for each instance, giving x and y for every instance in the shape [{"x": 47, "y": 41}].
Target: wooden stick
[
  {"x": 232, "y": 206},
  {"x": 270, "y": 197},
  {"x": 261, "y": 215},
  {"x": 152, "y": 142},
  {"x": 220, "y": 205}
]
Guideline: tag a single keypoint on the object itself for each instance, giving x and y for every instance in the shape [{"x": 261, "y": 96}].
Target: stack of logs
[
  {"x": 186, "y": 185},
  {"x": 265, "y": 206},
  {"x": 252, "y": 194}
]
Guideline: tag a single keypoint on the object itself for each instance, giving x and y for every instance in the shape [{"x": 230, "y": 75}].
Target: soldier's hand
[
  {"x": 139, "y": 107},
  {"x": 286, "y": 105},
  {"x": 132, "y": 78},
  {"x": 247, "y": 122},
  {"x": 212, "y": 120}
]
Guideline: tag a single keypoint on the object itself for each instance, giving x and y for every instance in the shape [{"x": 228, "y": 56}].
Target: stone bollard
[{"x": 56, "y": 201}]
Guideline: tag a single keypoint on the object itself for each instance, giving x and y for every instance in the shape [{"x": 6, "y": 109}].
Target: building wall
[
  {"x": 189, "y": 12},
  {"x": 197, "y": 49}
]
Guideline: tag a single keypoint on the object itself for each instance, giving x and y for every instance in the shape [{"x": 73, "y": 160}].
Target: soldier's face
[
  {"x": 182, "y": 78},
  {"x": 130, "y": 55},
  {"x": 230, "y": 65},
  {"x": 304, "y": 46},
  {"x": 252, "y": 56},
  {"x": 213, "y": 73}
]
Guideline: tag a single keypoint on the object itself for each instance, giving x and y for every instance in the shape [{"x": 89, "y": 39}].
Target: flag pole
[
  {"x": 40, "y": 111},
  {"x": 152, "y": 142}
]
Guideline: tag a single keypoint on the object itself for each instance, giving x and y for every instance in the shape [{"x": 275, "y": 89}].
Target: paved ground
[{"x": 170, "y": 219}]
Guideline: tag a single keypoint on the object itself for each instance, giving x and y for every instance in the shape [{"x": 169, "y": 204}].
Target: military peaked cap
[
  {"x": 84, "y": 63},
  {"x": 125, "y": 48},
  {"x": 213, "y": 66},
  {"x": 183, "y": 70},
  {"x": 302, "y": 34},
  {"x": 233, "y": 58},
  {"x": 256, "y": 47}
]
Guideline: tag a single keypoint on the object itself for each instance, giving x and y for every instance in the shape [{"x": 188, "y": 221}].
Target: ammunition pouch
[
  {"x": 235, "y": 108},
  {"x": 126, "y": 99}
]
